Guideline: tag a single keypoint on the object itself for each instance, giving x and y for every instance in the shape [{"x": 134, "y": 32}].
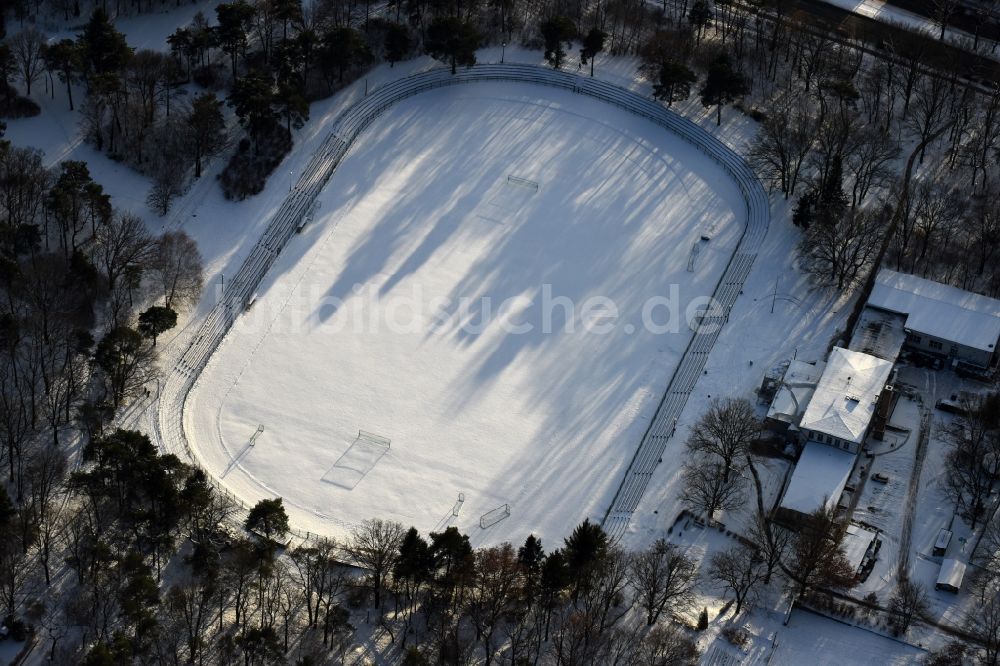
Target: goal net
[
  {"x": 366, "y": 437},
  {"x": 359, "y": 459},
  {"x": 493, "y": 517},
  {"x": 522, "y": 182}
]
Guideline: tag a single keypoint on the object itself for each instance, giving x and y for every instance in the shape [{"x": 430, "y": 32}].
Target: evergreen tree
[
  {"x": 64, "y": 58},
  {"x": 673, "y": 82},
  {"x": 7, "y": 511},
  {"x": 125, "y": 360},
  {"x": 268, "y": 518},
  {"x": 398, "y": 43},
  {"x": 342, "y": 48},
  {"x": 452, "y": 40},
  {"x": 207, "y": 128},
  {"x": 585, "y": 551},
  {"x": 292, "y": 103},
  {"x": 156, "y": 320},
  {"x": 451, "y": 553},
  {"x": 103, "y": 49},
  {"x": 700, "y": 16},
  {"x": 593, "y": 44},
  {"x": 804, "y": 210},
  {"x": 556, "y": 31},
  {"x": 286, "y": 11},
  {"x": 555, "y": 577},
  {"x": 231, "y": 32},
  {"x": 138, "y": 599},
  {"x": 723, "y": 85},
  {"x": 253, "y": 100},
  {"x": 531, "y": 557}
]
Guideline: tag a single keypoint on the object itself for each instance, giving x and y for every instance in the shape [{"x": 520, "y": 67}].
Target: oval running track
[{"x": 168, "y": 420}]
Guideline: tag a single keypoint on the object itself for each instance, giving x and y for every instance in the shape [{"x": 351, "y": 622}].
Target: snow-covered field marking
[{"x": 359, "y": 459}]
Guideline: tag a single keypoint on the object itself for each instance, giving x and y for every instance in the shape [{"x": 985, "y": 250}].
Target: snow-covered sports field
[{"x": 511, "y": 342}]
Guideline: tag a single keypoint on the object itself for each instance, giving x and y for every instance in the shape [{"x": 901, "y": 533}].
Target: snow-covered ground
[
  {"x": 421, "y": 229},
  {"x": 780, "y": 315}
]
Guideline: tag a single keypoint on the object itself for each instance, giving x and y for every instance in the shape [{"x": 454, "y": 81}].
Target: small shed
[
  {"x": 941, "y": 544},
  {"x": 951, "y": 575}
]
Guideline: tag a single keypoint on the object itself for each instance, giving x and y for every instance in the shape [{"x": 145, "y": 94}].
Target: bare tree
[
  {"x": 725, "y": 433},
  {"x": 122, "y": 244},
  {"x": 973, "y": 458},
  {"x": 194, "y": 601},
  {"x": 942, "y": 13},
  {"x": 604, "y": 599},
  {"x": 374, "y": 546},
  {"x": 26, "y": 47},
  {"x": 740, "y": 571},
  {"x": 666, "y": 645},
  {"x": 46, "y": 472},
  {"x": 980, "y": 150},
  {"x": 869, "y": 161},
  {"x": 817, "y": 557},
  {"x": 936, "y": 214},
  {"x": 663, "y": 577},
  {"x": 495, "y": 589},
  {"x": 178, "y": 267},
  {"x": 839, "y": 252},
  {"x": 931, "y": 110},
  {"x": 771, "y": 542},
  {"x": 907, "y": 604},
  {"x": 982, "y": 621},
  {"x": 783, "y": 142},
  {"x": 705, "y": 489}
]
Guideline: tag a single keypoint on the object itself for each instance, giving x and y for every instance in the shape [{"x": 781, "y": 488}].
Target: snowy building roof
[
  {"x": 857, "y": 541},
  {"x": 879, "y": 333},
  {"x": 951, "y": 575},
  {"x": 844, "y": 400},
  {"x": 939, "y": 310},
  {"x": 795, "y": 390},
  {"x": 819, "y": 478}
]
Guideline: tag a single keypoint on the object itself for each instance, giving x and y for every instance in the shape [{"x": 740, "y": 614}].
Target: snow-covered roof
[
  {"x": 939, "y": 310},
  {"x": 856, "y": 542},
  {"x": 844, "y": 400},
  {"x": 879, "y": 333},
  {"x": 818, "y": 479},
  {"x": 951, "y": 574},
  {"x": 796, "y": 389}
]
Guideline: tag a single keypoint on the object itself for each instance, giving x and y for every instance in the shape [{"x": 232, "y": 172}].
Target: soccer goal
[
  {"x": 457, "y": 509},
  {"x": 491, "y": 518},
  {"x": 359, "y": 459},
  {"x": 258, "y": 433},
  {"x": 375, "y": 440},
  {"x": 522, "y": 182}
]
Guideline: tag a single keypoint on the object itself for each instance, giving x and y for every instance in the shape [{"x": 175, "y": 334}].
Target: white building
[
  {"x": 941, "y": 319},
  {"x": 845, "y": 399},
  {"x": 950, "y": 576},
  {"x": 793, "y": 394},
  {"x": 817, "y": 481}
]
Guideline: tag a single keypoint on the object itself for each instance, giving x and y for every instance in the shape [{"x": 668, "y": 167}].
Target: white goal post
[
  {"x": 491, "y": 518},
  {"x": 522, "y": 182},
  {"x": 372, "y": 438}
]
